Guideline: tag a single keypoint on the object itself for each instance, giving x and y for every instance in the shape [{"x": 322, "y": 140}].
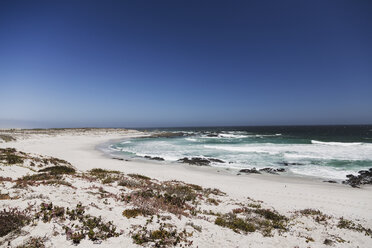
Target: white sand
[{"x": 285, "y": 194}]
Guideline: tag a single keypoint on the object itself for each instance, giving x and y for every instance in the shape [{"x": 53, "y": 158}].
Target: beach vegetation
[
  {"x": 212, "y": 201},
  {"x": 4, "y": 197},
  {"x": 7, "y": 138},
  {"x": 12, "y": 220},
  {"x": 59, "y": 170},
  {"x": 348, "y": 224},
  {"x": 133, "y": 213},
  {"x": 252, "y": 219},
  {"x": 235, "y": 223},
  {"x": 89, "y": 226},
  {"x": 139, "y": 176},
  {"x": 164, "y": 236},
  {"x": 317, "y": 215},
  {"x": 33, "y": 242},
  {"x": 9, "y": 156}
]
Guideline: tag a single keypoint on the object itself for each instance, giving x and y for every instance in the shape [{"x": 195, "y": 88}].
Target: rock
[
  {"x": 272, "y": 170},
  {"x": 253, "y": 170},
  {"x": 118, "y": 158},
  {"x": 155, "y": 158},
  {"x": 330, "y": 181},
  {"x": 364, "y": 177},
  {"x": 212, "y": 135},
  {"x": 216, "y": 160},
  {"x": 195, "y": 161},
  {"x": 287, "y": 163}
]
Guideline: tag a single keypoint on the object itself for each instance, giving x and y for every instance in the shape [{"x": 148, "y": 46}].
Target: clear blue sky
[{"x": 185, "y": 63}]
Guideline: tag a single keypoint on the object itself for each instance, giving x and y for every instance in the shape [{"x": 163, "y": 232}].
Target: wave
[
  {"x": 336, "y": 143},
  {"x": 234, "y": 136}
]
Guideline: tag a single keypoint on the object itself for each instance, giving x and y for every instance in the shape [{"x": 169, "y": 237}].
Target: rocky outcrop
[
  {"x": 364, "y": 177},
  {"x": 250, "y": 171},
  {"x": 216, "y": 160},
  {"x": 266, "y": 170},
  {"x": 200, "y": 161},
  {"x": 155, "y": 158},
  {"x": 195, "y": 161},
  {"x": 272, "y": 170}
]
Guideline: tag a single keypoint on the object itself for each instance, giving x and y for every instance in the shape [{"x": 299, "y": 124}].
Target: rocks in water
[
  {"x": 288, "y": 164},
  {"x": 155, "y": 158},
  {"x": 267, "y": 170},
  {"x": 364, "y": 177},
  {"x": 330, "y": 181},
  {"x": 272, "y": 170},
  {"x": 200, "y": 161},
  {"x": 249, "y": 171},
  {"x": 216, "y": 160},
  {"x": 212, "y": 135},
  {"x": 195, "y": 161}
]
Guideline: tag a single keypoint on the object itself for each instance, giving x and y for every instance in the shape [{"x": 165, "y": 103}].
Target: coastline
[
  {"x": 286, "y": 194},
  {"x": 283, "y": 192}
]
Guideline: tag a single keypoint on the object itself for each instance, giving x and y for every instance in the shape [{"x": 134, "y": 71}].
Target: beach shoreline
[
  {"x": 286, "y": 194},
  {"x": 82, "y": 152}
]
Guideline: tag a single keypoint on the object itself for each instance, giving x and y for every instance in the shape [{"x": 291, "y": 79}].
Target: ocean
[{"x": 329, "y": 152}]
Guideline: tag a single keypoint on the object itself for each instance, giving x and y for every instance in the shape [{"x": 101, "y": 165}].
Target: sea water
[{"x": 319, "y": 151}]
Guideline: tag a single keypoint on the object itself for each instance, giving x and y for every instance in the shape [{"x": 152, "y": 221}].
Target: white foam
[
  {"x": 336, "y": 143},
  {"x": 234, "y": 136}
]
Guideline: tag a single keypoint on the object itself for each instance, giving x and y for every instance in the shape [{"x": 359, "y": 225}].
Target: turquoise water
[{"x": 324, "y": 151}]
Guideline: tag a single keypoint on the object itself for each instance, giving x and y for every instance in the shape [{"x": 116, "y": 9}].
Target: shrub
[
  {"x": 138, "y": 176},
  {"x": 348, "y": 224},
  {"x": 12, "y": 220},
  {"x": 133, "y": 213},
  {"x": 235, "y": 223},
  {"x": 59, "y": 170},
  {"x": 33, "y": 242},
  {"x": 162, "y": 237}
]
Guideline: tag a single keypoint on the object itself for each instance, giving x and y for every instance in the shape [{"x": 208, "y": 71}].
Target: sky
[{"x": 185, "y": 63}]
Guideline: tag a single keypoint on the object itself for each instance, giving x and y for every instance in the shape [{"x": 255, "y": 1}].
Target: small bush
[
  {"x": 138, "y": 176},
  {"x": 33, "y": 242},
  {"x": 59, "y": 170},
  {"x": 235, "y": 223},
  {"x": 162, "y": 237},
  {"x": 133, "y": 213},
  {"x": 12, "y": 220},
  {"x": 348, "y": 224}
]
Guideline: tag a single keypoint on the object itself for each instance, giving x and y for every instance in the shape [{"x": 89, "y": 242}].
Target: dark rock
[
  {"x": 216, "y": 160},
  {"x": 272, "y": 170},
  {"x": 118, "y": 158},
  {"x": 195, "y": 161},
  {"x": 155, "y": 158},
  {"x": 287, "y": 163},
  {"x": 253, "y": 170},
  {"x": 364, "y": 177},
  {"x": 212, "y": 135},
  {"x": 330, "y": 181}
]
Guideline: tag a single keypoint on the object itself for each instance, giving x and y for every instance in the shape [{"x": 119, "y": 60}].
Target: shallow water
[{"x": 320, "y": 151}]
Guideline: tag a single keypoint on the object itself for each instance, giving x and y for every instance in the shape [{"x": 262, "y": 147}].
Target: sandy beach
[{"x": 283, "y": 193}]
